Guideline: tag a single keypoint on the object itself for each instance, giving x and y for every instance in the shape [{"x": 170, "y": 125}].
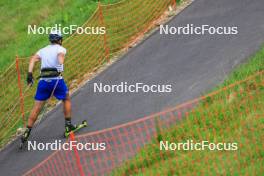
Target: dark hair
[{"x": 56, "y": 41}]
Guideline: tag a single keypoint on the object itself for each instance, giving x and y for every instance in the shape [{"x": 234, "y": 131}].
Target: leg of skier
[
  {"x": 32, "y": 119},
  {"x": 67, "y": 114}
]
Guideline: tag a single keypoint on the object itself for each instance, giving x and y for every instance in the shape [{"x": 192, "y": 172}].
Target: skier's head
[{"x": 55, "y": 37}]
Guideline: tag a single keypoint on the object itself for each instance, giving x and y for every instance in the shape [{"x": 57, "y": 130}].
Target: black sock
[
  {"x": 29, "y": 128},
  {"x": 67, "y": 121}
]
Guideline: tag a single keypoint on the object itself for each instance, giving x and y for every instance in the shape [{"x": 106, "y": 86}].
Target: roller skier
[{"x": 51, "y": 83}]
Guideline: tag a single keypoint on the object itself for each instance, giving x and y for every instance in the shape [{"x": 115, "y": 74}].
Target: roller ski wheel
[{"x": 74, "y": 128}]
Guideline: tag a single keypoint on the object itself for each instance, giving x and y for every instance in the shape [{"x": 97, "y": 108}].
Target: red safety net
[{"x": 236, "y": 109}]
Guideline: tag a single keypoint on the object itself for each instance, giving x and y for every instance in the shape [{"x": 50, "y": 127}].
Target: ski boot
[
  {"x": 24, "y": 138},
  {"x": 73, "y": 128}
]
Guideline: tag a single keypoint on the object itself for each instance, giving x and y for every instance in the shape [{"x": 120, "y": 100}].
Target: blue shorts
[{"x": 46, "y": 87}]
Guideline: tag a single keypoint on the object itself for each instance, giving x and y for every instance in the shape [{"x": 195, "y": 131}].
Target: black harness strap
[{"x": 49, "y": 73}]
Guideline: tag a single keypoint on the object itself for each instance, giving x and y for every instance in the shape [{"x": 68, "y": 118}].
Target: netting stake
[
  {"x": 101, "y": 16},
  {"x": 173, "y": 3},
  {"x": 20, "y": 91},
  {"x": 77, "y": 156}
]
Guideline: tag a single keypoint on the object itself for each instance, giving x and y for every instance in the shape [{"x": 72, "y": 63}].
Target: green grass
[
  {"x": 16, "y": 15},
  {"x": 234, "y": 115},
  {"x": 255, "y": 64}
]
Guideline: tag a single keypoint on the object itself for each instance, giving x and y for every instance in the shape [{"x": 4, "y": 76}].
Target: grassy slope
[
  {"x": 16, "y": 15},
  {"x": 236, "y": 122}
]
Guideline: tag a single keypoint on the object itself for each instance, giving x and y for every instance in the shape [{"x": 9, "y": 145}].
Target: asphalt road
[{"x": 192, "y": 64}]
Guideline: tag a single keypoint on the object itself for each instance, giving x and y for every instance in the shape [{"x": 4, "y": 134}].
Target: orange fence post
[
  {"x": 20, "y": 91},
  {"x": 101, "y": 16},
  {"x": 173, "y": 3},
  {"x": 77, "y": 156}
]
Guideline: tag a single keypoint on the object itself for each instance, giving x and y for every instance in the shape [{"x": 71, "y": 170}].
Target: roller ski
[
  {"x": 24, "y": 138},
  {"x": 74, "y": 128}
]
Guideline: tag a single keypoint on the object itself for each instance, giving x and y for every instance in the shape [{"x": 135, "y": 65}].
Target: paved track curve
[{"x": 192, "y": 64}]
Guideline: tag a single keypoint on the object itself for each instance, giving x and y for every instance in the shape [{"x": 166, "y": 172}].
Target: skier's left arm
[{"x": 32, "y": 62}]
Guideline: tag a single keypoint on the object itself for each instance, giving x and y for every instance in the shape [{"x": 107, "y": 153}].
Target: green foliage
[{"x": 16, "y": 15}]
